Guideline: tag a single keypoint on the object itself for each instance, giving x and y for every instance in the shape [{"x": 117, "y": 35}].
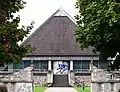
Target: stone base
[
  {"x": 80, "y": 78},
  {"x": 40, "y": 80}
]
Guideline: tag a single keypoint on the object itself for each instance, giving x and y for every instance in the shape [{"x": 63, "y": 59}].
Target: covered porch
[{"x": 50, "y": 66}]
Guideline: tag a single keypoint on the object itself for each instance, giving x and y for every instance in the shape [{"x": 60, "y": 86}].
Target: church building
[{"x": 57, "y": 57}]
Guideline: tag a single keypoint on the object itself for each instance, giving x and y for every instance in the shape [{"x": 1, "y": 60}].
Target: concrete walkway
[{"x": 60, "y": 89}]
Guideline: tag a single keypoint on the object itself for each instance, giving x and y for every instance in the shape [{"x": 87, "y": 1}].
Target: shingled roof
[{"x": 56, "y": 37}]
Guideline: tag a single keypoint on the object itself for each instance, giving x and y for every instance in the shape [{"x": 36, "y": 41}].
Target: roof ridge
[{"x": 61, "y": 10}]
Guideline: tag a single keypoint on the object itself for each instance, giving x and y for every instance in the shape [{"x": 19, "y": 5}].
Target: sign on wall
[{"x": 60, "y": 67}]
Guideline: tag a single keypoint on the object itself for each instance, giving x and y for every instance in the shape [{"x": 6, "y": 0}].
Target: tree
[
  {"x": 98, "y": 24},
  {"x": 11, "y": 33}
]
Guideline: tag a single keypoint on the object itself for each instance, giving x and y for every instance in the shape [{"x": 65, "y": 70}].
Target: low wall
[
  {"x": 105, "y": 81},
  {"x": 80, "y": 78},
  {"x": 40, "y": 79},
  {"x": 18, "y": 87},
  {"x": 71, "y": 77},
  {"x": 19, "y": 81}
]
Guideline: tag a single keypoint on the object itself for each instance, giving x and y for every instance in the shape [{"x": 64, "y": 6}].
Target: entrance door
[{"x": 60, "y": 67}]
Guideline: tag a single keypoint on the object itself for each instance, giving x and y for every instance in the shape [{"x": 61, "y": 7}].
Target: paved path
[{"x": 60, "y": 89}]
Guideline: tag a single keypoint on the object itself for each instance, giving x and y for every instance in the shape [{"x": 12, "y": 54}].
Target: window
[
  {"x": 26, "y": 63},
  {"x": 22, "y": 64},
  {"x": 96, "y": 63},
  {"x": 85, "y": 65},
  {"x": 77, "y": 65},
  {"x": 36, "y": 64},
  {"x": 103, "y": 64},
  {"x": 43, "y": 65},
  {"x": 82, "y": 65},
  {"x": 18, "y": 65},
  {"x": 39, "y": 64}
]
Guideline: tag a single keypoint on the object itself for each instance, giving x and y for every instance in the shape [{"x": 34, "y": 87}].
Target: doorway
[
  {"x": 60, "y": 71},
  {"x": 60, "y": 67}
]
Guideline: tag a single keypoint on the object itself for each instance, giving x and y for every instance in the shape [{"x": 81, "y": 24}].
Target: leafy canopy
[
  {"x": 98, "y": 24},
  {"x": 11, "y": 33}
]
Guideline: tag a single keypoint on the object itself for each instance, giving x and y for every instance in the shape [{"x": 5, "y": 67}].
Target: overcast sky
[{"x": 41, "y": 10}]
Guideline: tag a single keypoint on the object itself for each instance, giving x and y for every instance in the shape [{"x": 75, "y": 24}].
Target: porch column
[
  {"x": 71, "y": 65},
  {"x": 10, "y": 67},
  {"x": 49, "y": 65},
  {"x": 49, "y": 74},
  {"x": 91, "y": 66},
  {"x": 32, "y": 64}
]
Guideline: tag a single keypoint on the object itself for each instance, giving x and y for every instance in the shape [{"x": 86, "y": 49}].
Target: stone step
[{"x": 60, "y": 81}]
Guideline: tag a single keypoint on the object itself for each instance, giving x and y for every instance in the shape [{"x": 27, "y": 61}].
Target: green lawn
[
  {"x": 79, "y": 89},
  {"x": 39, "y": 89}
]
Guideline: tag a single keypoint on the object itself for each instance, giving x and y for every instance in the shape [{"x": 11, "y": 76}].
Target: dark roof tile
[{"x": 56, "y": 37}]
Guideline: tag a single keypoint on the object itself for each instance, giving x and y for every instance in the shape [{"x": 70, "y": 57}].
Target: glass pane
[
  {"x": 43, "y": 65},
  {"x": 85, "y": 65},
  {"x": 77, "y": 65},
  {"x": 95, "y": 63},
  {"x": 17, "y": 65},
  {"x": 103, "y": 64},
  {"x": 36, "y": 64},
  {"x": 26, "y": 63},
  {"x": 40, "y": 64}
]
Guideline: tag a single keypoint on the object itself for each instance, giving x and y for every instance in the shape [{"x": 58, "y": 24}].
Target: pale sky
[{"x": 41, "y": 10}]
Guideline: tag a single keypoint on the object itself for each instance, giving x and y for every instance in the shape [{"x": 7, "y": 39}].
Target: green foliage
[
  {"x": 99, "y": 26},
  {"x": 11, "y": 33}
]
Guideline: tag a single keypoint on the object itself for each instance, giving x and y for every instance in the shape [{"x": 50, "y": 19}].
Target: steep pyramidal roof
[{"x": 56, "y": 37}]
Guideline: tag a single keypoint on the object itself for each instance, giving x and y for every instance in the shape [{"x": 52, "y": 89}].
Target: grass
[
  {"x": 39, "y": 89},
  {"x": 79, "y": 89}
]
